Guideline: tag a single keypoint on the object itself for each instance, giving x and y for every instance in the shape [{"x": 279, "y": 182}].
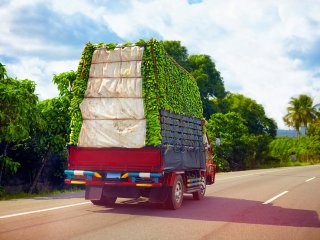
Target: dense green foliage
[
  {"x": 253, "y": 113},
  {"x": 307, "y": 149},
  {"x": 230, "y": 128},
  {"x": 245, "y": 132},
  {"x": 167, "y": 86},
  {"x": 17, "y": 114},
  {"x": 65, "y": 82},
  {"x": 314, "y": 128},
  {"x": 33, "y": 133},
  {"x": 49, "y": 137},
  {"x": 203, "y": 69},
  {"x": 239, "y": 148}
]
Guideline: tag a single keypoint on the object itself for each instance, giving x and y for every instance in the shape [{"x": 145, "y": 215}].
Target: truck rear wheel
[
  {"x": 105, "y": 201},
  {"x": 175, "y": 197},
  {"x": 200, "y": 193}
]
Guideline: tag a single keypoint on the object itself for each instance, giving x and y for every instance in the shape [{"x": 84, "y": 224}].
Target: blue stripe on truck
[{"x": 72, "y": 173}]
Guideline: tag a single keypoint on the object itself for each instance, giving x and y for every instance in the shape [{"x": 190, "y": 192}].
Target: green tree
[
  {"x": 252, "y": 112},
  {"x": 301, "y": 112},
  {"x": 178, "y": 52},
  {"x": 65, "y": 82},
  {"x": 237, "y": 145},
  {"x": 52, "y": 134},
  {"x": 17, "y": 114},
  {"x": 209, "y": 81}
]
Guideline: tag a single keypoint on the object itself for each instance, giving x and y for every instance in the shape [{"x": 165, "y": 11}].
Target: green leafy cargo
[{"x": 165, "y": 85}]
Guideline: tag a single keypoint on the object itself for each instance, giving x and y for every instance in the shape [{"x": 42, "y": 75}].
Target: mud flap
[
  {"x": 93, "y": 192},
  {"x": 159, "y": 195}
]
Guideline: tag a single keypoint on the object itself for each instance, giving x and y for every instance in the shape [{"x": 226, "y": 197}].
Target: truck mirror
[{"x": 218, "y": 142}]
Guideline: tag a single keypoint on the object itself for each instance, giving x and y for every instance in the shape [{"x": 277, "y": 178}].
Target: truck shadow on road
[{"x": 224, "y": 210}]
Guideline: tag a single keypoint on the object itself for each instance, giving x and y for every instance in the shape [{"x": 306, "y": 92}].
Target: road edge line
[
  {"x": 42, "y": 210},
  {"x": 251, "y": 174}
]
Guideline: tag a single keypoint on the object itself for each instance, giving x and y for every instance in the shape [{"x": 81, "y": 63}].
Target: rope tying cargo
[
  {"x": 115, "y": 77},
  {"x": 155, "y": 73},
  {"x": 133, "y": 60}
]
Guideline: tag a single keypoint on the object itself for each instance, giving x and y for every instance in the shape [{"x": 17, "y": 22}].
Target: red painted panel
[{"x": 115, "y": 159}]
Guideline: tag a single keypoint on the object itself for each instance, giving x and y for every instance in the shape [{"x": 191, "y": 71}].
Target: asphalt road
[{"x": 281, "y": 203}]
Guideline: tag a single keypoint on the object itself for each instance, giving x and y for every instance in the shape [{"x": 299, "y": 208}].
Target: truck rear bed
[{"x": 146, "y": 159}]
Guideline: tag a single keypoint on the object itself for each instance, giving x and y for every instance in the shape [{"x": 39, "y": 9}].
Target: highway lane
[{"x": 281, "y": 203}]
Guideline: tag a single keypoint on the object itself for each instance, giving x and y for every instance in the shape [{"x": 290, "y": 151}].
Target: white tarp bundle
[
  {"x": 114, "y": 87},
  {"x": 112, "y": 110},
  {"x": 112, "y": 133}
]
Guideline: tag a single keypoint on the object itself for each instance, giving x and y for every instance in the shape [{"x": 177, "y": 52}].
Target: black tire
[
  {"x": 200, "y": 194},
  {"x": 105, "y": 201},
  {"x": 175, "y": 196}
]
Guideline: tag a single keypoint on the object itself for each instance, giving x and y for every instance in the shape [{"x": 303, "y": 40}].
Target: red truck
[
  {"x": 163, "y": 173},
  {"x": 131, "y": 144}
]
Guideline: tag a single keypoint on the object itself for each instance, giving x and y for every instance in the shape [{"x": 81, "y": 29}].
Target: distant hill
[{"x": 286, "y": 133}]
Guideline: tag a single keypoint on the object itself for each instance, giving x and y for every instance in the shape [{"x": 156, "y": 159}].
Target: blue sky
[{"x": 267, "y": 50}]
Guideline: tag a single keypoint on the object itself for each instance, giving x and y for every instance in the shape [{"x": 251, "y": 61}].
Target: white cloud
[
  {"x": 250, "y": 41},
  {"x": 246, "y": 39},
  {"x": 34, "y": 56},
  {"x": 37, "y": 70}
]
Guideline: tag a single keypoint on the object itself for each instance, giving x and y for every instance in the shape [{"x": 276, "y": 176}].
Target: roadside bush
[
  {"x": 239, "y": 149},
  {"x": 306, "y": 149},
  {"x": 222, "y": 164}
]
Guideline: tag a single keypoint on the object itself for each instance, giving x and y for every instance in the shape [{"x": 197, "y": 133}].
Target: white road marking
[
  {"x": 275, "y": 197},
  {"x": 310, "y": 179},
  {"x": 43, "y": 210}
]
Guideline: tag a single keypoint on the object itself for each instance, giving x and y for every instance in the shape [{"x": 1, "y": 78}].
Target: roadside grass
[
  {"x": 33, "y": 195},
  {"x": 284, "y": 164}
]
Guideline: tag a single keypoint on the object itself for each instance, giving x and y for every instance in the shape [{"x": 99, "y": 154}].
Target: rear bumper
[
  {"x": 125, "y": 184},
  {"x": 134, "y": 179}
]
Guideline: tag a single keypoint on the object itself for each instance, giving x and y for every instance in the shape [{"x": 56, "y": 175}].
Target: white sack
[
  {"x": 99, "y": 70},
  {"x": 131, "y": 53},
  {"x": 131, "y": 69},
  {"x": 112, "y": 108},
  {"x": 118, "y": 54},
  {"x": 114, "y": 87},
  {"x": 111, "y": 133},
  {"x": 101, "y": 55},
  {"x": 116, "y": 69},
  {"x": 114, "y": 91}
]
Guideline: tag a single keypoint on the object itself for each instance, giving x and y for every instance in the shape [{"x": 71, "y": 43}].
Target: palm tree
[{"x": 301, "y": 112}]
